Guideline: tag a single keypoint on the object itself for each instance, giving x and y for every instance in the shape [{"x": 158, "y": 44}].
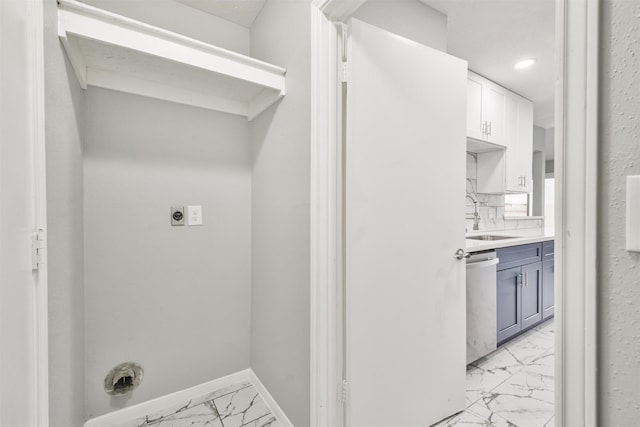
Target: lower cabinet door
[
  {"x": 531, "y": 294},
  {"x": 509, "y": 303},
  {"x": 547, "y": 289}
]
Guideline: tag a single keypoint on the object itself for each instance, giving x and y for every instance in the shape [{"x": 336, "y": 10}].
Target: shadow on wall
[{"x": 149, "y": 136}]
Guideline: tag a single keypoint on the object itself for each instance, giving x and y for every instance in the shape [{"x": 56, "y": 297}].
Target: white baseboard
[
  {"x": 269, "y": 400},
  {"x": 151, "y": 406}
]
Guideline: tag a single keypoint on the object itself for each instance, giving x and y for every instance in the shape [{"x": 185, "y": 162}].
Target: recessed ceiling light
[{"x": 526, "y": 63}]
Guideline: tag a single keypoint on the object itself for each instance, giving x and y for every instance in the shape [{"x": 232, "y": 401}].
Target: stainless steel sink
[{"x": 489, "y": 237}]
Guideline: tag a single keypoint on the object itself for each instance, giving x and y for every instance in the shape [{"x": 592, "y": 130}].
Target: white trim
[
  {"x": 591, "y": 227},
  {"x": 323, "y": 221},
  {"x": 269, "y": 400},
  {"x": 152, "y": 406},
  {"x": 35, "y": 52},
  {"x": 576, "y": 174},
  {"x": 576, "y": 242}
]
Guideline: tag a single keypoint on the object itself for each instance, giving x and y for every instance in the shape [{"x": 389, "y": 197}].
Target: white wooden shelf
[{"x": 119, "y": 53}]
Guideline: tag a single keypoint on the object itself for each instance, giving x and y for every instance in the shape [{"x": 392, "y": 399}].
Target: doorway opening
[{"x": 563, "y": 122}]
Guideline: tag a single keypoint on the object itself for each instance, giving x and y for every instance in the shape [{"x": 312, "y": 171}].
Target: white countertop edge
[
  {"x": 483, "y": 245},
  {"x": 522, "y": 218}
]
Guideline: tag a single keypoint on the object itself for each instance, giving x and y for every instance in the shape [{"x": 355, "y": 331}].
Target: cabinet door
[
  {"x": 509, "y": 303},
  {"x": 513, "y": 173},
  {"x": 547, "y": 288},
  {"x": 494, "y": 110},
  {"x": 474, "y": 107},
  {"x": 519, "y": 156},
  {"x": 524, "y": 140},
  {"x": 531, "y": 294}
]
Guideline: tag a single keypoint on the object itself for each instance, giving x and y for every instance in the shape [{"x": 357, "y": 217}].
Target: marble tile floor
[
  {"x": 239, "y": 405},
  {"x": 513, "y": 386}
]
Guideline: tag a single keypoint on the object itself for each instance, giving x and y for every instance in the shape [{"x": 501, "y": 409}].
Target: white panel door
[
  {"x": 405, "y": 186},
  {"x": 20, "y": 383}
]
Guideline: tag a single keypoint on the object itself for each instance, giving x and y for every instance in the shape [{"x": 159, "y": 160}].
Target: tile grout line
[
  {"x": 235, "y": 391},
  {"x": 522, "y": 368}
]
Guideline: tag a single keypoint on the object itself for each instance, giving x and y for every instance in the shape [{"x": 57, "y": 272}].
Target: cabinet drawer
[
  {"x": 516, "y": 256},
  {"x": 548, "y": 250}
]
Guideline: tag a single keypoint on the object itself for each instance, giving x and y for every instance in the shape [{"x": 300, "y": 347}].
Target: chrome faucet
[{"x": 476, "y": 216}]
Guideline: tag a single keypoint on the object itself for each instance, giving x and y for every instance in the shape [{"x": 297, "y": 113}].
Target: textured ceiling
[{"x": 492, "y": 35}]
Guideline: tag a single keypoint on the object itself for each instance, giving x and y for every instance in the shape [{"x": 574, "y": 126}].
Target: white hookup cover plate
[
  {"x": 194, "y": 215},
  {"x": 633, "y": 213}
]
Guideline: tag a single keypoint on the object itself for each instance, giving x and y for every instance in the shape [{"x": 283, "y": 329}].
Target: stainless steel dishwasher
[{"x": 482, "y": 320}]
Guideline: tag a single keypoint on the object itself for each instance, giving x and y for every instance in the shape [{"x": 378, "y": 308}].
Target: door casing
[{"x": 576, "y": 154}]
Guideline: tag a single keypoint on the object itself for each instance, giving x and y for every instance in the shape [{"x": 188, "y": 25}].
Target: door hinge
[
  {"x": 343, "y": 72},
  {"x": 343, "y": 392},
  {"x": 38, "y": 248}
]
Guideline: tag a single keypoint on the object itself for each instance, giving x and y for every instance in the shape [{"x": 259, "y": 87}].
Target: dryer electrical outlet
[
  {"x": 177, "y": 216},
  {"x": 194, "y": 215}
]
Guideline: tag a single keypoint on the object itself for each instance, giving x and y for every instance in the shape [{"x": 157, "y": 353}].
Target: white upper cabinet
[
  {"x": 494, "y": 110},
  {"x": 508, "y": 170},
  {"x": 519, "y": 153},
  {"x": 475, "y": 123},
  {"x": 486, "y": 110},
  {"x": 115, "y": 52}
]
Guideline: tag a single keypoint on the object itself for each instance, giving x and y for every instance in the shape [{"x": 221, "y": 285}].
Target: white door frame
[
  {"x": 34, "y": 48},
  {"x": 576, "y": 172},
  {"x": 36, "y": 57},
  {"x": 576, "y": 209}
]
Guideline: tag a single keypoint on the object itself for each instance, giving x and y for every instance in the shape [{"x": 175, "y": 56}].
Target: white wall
[
  {"x": 408, "y": 18},
  {"x": 280, "y": 337},
  {"x": 618, "y": 279},
  {"x": 182, "y": 19},
  {"x": 174, "y": 299},
  {"x": 64, "y": 114},
  {"x": 538, "y": 171},
  {"x": 549, "y": 147}
]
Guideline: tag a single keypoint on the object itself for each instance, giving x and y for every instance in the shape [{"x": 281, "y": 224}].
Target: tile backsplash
[{"x": 491, "y": 207}]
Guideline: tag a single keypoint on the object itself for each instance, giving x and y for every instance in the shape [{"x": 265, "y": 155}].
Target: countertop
[{"x": 524, "y": 237}]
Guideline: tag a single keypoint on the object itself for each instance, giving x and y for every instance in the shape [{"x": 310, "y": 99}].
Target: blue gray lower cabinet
[
  {"x": 531, "y": 294},
  {"x": 524, "y": 288},
  {"x": 509, "y": 303},
  {"x": 548, "y": 268}
]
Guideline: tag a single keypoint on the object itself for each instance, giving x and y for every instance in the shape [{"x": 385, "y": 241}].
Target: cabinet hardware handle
[
  {"x": 462, "y": 254},
  {"x": 490, "y": 127},
  {"x": 526, "y": 279},
  {"x": 484, "y": 128}
]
